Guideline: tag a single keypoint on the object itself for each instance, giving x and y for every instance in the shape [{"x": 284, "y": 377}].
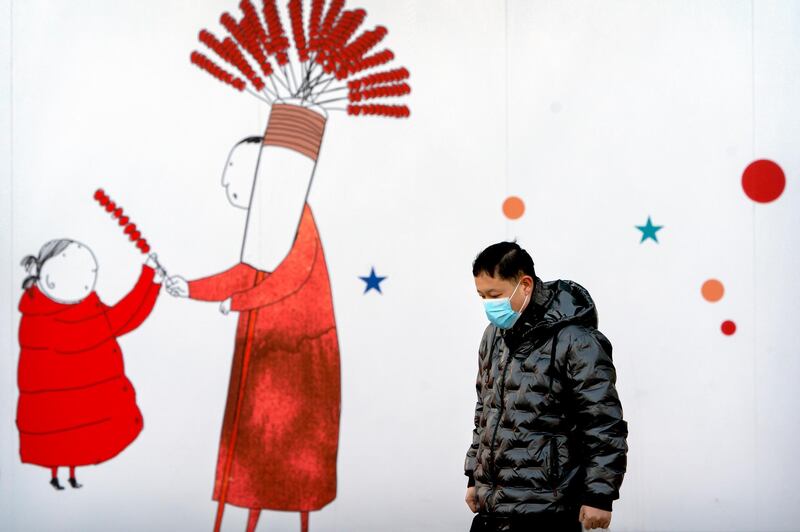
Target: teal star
[{"x": 649, "y": 230}]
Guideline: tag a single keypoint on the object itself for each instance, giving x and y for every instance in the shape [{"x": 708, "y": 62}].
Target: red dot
[
  {"x": 728, "y": 327},
  {"x": 763, "y": 181}
]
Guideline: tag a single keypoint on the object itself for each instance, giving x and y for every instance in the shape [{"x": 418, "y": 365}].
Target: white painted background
[{"x": 597, "y": 114}]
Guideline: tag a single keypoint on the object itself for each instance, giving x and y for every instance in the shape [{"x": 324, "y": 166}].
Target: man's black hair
[{"x": 506, "y": 260}]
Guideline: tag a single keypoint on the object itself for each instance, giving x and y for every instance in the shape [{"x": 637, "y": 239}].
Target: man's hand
[
  {"x": 177, "y": 286},
  {"x": 225, "y": 306},
  {"x": 472, "y": 499},
  {"x": 594, "y": 517}
]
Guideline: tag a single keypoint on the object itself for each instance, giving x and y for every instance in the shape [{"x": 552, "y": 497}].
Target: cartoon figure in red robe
[
  {"x": 76, "y": 406},
  {"x": 280, "y": 431}
]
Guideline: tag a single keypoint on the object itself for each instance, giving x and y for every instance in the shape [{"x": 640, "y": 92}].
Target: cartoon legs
[
  {"x": 72, "y": 481},
  {"x": 252, "y": 520},
  {"x": 255, "y": 513}
]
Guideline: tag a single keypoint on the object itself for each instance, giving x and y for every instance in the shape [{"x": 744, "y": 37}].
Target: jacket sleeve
[
  {"x": 472, "y": 452},
  {"x": 132, "y": 309},
  {"x": 599, "y": 417},
  {"x": 143, "y": 311},
  {"x": 290, "y": 275},
  {"x": 222, "y": 285}
]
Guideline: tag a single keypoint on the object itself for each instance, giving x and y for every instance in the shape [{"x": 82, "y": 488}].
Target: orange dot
[
  {"x": 712, "y": 290},
  {"x": 513, "y": 207}
]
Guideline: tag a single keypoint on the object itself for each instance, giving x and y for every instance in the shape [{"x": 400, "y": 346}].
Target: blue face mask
[{"x": 500, "y": 312}]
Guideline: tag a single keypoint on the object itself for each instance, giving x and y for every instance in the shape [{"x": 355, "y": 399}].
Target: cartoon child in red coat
[{"x": 76, "y": 406}]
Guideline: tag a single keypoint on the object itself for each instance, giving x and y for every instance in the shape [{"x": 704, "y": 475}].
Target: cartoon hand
[
  {"x": 225, "y": 306},
  {"x": 177, "y": 286}
]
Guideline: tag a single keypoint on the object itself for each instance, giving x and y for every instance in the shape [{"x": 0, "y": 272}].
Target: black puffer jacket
[{"x": 549, "y": 433}]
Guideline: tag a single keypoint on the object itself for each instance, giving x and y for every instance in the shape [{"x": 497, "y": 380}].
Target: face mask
[{"x": 499, "y": 310}]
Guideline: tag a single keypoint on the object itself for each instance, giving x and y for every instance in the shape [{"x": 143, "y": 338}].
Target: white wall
[{"x": 597, "y": 114}]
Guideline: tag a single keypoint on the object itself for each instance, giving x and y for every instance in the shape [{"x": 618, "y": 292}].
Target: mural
[{"x": 279, "y": 439}]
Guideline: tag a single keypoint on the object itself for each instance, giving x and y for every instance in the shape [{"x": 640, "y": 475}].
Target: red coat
[
  {"x": 76, "y": 406},
  {"x": 284, "y": 457}
]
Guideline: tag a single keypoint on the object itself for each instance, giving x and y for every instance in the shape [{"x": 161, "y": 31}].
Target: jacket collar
[
  {"x": 533, "y": 316},
  {"x": 34, "y": 302}
]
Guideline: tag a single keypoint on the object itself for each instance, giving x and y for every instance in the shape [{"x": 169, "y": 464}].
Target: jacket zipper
[
  {"x": 553, "y": 446},
  {"x": 553, "y": 466},
  {"x": 499, "y": 417}
]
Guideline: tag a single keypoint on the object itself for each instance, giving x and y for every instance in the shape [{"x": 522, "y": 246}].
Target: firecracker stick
[
  {"x": 259, "y": 96},
  {"x": 314, "y": 95},
  {"x": 295, "y": 86},
  {"x": 268, "y": 92},
  {"x": 322, "y": 90},
  {"x": 275, "y": 86},
  {"x": 331, "y": 101}
]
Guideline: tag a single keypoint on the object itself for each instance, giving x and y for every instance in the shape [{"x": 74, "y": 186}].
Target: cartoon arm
[
  {"x": 143, "y": 311},
  {"x": 220, "y": 286},
  {"x": 69, "y": 336},
  {"x": 132, "y": 309},
  {"x": 288, "y": 277}
]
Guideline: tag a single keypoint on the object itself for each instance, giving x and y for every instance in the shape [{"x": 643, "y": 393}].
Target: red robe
[
  {"x": 284, "y": 456},
  {"x": 76, "y": 406}
]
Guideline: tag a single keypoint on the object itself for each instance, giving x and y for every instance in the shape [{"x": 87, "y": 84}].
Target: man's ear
[{"x": 532, "y": 282}]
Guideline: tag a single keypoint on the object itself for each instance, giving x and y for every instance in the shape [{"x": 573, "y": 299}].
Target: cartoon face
[
  {"x": 69, "y": 276},
  {"x": 240, "y": 171}
]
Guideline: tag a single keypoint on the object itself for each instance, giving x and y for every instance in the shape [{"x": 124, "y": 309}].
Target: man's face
[
  {"x": 239, "y": 173},
  {"x": 495, "y": 287}
]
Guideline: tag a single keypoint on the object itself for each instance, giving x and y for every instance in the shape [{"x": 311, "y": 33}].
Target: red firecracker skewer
[{"x": 129, "y": 228}]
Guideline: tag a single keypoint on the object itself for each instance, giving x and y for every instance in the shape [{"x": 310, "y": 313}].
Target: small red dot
[{"x": 728, "y": 327}]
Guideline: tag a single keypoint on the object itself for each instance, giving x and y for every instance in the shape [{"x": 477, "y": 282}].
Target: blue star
[
  {"x": 373, "y": 281},
  {"x": 649, "y": 230}
]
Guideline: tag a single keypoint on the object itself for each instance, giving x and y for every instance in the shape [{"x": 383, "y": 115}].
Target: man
[{"x": 549, "y": 445}]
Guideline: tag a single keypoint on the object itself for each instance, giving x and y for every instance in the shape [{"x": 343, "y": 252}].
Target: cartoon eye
[
  {"x": 230, "y": 163},
  {"x": 235, "y": 195}
]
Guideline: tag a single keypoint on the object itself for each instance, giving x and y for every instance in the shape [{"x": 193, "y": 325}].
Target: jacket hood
[{"x": 555, "y": 304}]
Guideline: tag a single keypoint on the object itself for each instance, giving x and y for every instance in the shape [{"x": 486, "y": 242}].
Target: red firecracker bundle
[{"x": 330, "y": 55}]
